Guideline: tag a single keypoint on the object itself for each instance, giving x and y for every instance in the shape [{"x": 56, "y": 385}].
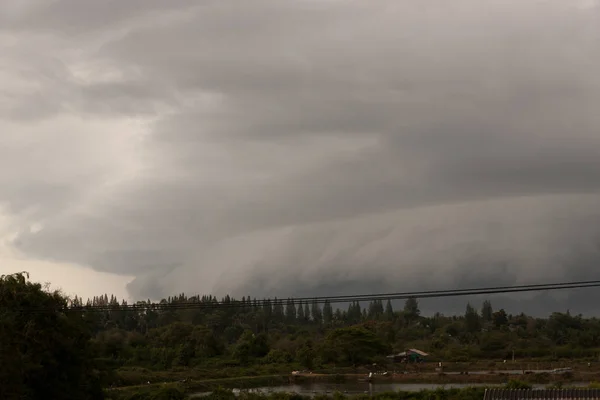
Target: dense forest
[
  {"x": 187, "y": 331},
  {"x": 48, "y": 341}
]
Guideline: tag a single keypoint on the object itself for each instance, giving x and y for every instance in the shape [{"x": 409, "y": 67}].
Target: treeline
[
  {"x": 185, "y": 331},
  {"x": 261, "y": 314},
  {"x": 47, "y": 341}
]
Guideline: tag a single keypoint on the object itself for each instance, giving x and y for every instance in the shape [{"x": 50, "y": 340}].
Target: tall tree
[
  {"x": 45, "y": 351},
  {"x": 300, "y": 313},
  {"x": 389, "y": 311},
  {"x": 354, "y": 345},
  {"x": 267, "y": 309},
  {"x": 375, "y": 309},
  {"x": 278, "y": 314},
  {"x": 327, "y": 313},
  {"x": 411, "y": 309},
  {"x": 500, "y": 318},
  {"x": 486, "y": 311},
  {"x": 306, "y": 311},
  {"x": 354, "y": 312},
  {"x": 316, "y": 312},
  {"x": 472, "y": 321},
  {"x": 290, "y": 311}
]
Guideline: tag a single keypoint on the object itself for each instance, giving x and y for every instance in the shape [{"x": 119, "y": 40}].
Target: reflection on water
[{"x": 353, "y": 388}]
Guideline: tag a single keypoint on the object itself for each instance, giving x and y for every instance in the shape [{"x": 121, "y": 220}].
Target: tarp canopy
[{"x": 408, "y": 353}]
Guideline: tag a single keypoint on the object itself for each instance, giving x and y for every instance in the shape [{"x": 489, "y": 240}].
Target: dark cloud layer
[{"x": 308, "y": 147}]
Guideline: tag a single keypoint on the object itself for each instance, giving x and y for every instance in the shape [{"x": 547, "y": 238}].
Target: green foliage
[
  {"x": 122, "y": 345},
  {"x": 327, "y": 313},
  {"x": 389, "y": 311},
  {"x": 45, "y": 351},
  {"x": 500, "y": 318},
  {"x": 307, "y": 335},
  {"x": 516, "y": 384},
  {"x": 487, "y": 312},
  {"x": 277, "y": 356},
  {"x": 251, "y": 346},
  {"x": 411, "y": 309},
  {"x": 354, "y": 345},
  {"x": 472, "y": 321}
]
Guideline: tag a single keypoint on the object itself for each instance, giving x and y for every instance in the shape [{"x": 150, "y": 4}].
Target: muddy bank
[{"x": 481, "y": 377}]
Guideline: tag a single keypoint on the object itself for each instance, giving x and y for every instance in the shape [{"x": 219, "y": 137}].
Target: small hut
[{"x": 409, "y": 356}]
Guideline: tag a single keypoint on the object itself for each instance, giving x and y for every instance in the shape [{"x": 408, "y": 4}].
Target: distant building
[
  {"x": 409, "y": 356},
  {"x": 542, "y": 394}
]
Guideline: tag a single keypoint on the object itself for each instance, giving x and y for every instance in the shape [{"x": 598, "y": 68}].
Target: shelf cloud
[{"x": 271, "y": 148}]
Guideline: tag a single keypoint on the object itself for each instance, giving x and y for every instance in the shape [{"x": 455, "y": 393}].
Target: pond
[{"x": 354, "y": 388}]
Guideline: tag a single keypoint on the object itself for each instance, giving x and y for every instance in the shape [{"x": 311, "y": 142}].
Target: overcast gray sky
[{"x": 273, "y": 147}]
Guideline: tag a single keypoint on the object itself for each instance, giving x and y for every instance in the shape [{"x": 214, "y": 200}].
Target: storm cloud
[{"x": 304, "y": 147}]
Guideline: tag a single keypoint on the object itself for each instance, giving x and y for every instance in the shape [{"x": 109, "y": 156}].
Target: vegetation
[
  {"x": 473, "y": 393},
  {"x": 249, "y": 335},
  {"x": 67, "y": 348},
  {"x": 441, "y": 394},
  {"x": 45, "y": 352}
]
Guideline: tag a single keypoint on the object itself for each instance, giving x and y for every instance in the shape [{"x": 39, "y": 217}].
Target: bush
[
  {"x": 516, "y": 384},
  {"x": 278, "y": 357}
]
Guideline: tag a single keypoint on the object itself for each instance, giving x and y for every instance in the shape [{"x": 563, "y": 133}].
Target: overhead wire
[{"x": 208, "y": 305}]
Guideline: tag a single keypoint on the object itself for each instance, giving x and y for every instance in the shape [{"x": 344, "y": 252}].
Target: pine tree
[
  {"x": 338, "y": 315},
  {"x": 372, "y": 314},
  {"x": 316, "y": 312},
  {"x": 411, "y": 309},
  {"x": 307, "y": 311},
  {"x": 267, "y": 309},
  {"x": 327, "y": 313},
  {"x": 378, "y": 309},
  {"x": 290, "y": 311},
  {"x": 355, "y": 314},
  {"x": 389, "y": 311},
  {"x": 472, "y": 321},
  {"x": 300, "y": 313},
  {"x": 487, "y": 311},
  {"x": 278, "y": 314}
]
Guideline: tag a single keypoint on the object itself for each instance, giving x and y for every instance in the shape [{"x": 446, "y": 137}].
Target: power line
[
  {"x": 331, "y": 299},
  {"x": 323, "y": 299},
  {"x": 544, "y": 286},
  {"x": 397, "y": 296}
]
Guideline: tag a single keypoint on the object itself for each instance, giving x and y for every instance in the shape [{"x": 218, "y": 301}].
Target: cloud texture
[{"x": 309, "y": 146}]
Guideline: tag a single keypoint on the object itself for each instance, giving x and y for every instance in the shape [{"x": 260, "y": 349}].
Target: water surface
[{"x": 354, "y": 388}]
